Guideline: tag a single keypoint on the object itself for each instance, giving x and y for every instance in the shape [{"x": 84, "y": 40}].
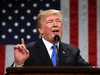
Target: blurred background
[{"x": 81, "y": 26}]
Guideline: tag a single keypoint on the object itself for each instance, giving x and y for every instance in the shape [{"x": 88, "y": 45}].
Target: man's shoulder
[
  {"x": 69, "y": 46},
  {"x": 32, "y": 44}
]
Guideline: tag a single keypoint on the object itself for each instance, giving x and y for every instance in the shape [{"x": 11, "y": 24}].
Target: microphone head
[{"x": 56, "y": 37}]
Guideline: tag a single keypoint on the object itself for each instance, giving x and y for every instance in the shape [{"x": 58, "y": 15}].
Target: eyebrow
[{"x": 56, "y": 19}]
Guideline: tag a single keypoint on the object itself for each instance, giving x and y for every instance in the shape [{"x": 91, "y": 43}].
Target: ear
[{"x": 40, "y": 29}]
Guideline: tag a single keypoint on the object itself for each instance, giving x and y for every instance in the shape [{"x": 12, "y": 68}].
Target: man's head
[{"x": 49, "y": 23}]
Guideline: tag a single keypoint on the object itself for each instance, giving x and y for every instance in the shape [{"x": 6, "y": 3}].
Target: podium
[{"x": 48, "y": 70}]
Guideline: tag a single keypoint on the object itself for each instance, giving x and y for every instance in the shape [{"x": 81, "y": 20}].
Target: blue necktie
[{"x": 54, "y": 55}]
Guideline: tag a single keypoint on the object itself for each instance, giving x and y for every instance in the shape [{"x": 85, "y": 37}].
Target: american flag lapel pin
[{"x": 63, "y": 52}]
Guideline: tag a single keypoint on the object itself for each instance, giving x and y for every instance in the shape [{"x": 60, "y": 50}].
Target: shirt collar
[{"x": 48, "y": 44}]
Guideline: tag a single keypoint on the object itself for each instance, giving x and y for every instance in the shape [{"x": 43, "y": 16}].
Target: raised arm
[{"x": 20, "y": 53}]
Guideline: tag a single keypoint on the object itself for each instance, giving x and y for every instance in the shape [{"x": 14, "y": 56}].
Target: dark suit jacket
[{"x": 69, "y": 55}]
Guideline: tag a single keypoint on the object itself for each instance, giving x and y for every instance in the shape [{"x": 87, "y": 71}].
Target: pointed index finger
[{"x": 22, "y": 40}]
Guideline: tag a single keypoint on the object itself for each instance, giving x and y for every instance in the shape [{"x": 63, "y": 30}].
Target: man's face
[{"x": 51, "y": 26}]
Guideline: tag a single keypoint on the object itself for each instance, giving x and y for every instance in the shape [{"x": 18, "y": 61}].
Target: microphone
[{"x": 56, "y": 38}]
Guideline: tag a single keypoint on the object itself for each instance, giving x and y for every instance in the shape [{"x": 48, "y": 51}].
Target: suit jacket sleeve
[
  {"x": 73, "y": 57},
  {"x": 81, "y": 61}
]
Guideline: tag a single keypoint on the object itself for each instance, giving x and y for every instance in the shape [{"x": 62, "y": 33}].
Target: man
[{"x": 49, "y": 24}]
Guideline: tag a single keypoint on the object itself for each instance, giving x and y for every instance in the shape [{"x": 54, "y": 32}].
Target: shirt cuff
[{"x": 18, "y": 66}]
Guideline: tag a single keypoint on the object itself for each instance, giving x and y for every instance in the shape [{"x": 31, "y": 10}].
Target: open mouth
[{"x": 55, "y": 31}]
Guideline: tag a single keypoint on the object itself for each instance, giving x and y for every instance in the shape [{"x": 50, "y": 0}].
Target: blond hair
[{"x": 42, "y": 15}]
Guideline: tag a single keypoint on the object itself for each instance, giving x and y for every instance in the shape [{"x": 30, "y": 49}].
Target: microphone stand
[{"x": 57, "y": 61}]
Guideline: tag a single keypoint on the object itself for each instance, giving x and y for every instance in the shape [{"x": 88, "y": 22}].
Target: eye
[
  {"x": 49, "y": 22},
  {"x": 58, "y": 21}
]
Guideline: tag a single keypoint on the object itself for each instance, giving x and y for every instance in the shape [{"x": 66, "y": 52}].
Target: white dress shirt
[{"x": 49, "y": 46}]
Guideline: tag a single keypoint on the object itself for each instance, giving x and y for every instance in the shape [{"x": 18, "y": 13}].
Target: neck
[{"x": 52, "y": 42}]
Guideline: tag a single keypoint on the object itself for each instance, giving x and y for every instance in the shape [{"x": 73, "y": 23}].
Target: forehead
[{"x": 52, "y": 17}]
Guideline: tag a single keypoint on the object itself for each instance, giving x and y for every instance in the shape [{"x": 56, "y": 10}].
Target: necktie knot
[
  {"x": 54, "y": 55},
  {"x": 54, "y": 46}
]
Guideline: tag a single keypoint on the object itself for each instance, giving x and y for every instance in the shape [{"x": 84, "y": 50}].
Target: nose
[{"x": 55, "y": 24}]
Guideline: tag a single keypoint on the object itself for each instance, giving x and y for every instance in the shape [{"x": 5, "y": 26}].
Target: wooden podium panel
[{"x": 53, "y": 70}]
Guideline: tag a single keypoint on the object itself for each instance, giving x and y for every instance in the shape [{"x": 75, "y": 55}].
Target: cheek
[
  {"x": 60, "y": 30},
  {"x": 60, "y": 27},
  {"x": 47, "y": 30}
]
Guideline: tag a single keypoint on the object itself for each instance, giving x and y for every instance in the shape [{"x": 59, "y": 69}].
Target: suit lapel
[
  {"x": 62, "y": 54},
  {"x": 42, "y": 51}
]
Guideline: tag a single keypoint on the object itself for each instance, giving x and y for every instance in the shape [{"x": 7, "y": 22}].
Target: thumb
[{"x": 22, "y": 40}]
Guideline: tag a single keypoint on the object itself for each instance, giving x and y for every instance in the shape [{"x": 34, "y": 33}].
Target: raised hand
[{"x": 20, "y": 53}]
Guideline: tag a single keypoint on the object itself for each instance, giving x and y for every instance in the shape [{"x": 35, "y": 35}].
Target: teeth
[{"x": 55, "y": 31}]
